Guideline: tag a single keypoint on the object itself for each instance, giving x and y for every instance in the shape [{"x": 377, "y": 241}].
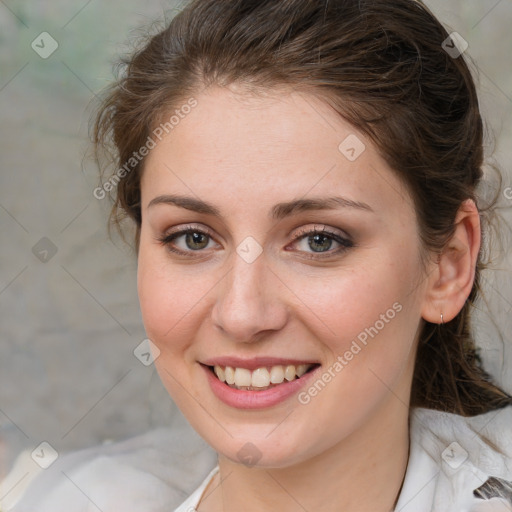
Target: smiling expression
[{"x": 262, "y": 245}]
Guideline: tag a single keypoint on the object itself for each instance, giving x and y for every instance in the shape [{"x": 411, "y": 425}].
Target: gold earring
[{"x": 442, "y": 321}]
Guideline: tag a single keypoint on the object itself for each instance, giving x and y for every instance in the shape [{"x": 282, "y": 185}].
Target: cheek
[
  {"x": 170, "y": 297},
  {"x": 372, "y": 321},
  {"x": 169, "y": 303},
  {"x": 349, "y": 302},
  {"x": 158, "y": 293},
  {"x": 370, "y": 314}
]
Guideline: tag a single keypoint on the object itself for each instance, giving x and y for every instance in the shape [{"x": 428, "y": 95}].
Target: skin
[{"x": 245, "y": 153}]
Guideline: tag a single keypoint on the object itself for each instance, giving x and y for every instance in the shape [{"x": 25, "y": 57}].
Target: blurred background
[{"x": 69, "y": 316}]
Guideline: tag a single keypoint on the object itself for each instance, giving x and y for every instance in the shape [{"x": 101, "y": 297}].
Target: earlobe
[{"x": 451, "y": 280}]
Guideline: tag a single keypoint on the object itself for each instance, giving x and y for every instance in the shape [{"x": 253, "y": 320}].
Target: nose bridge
[{"x": 246, "y": 302}]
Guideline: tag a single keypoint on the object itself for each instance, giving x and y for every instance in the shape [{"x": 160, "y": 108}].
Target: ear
[{"x": 450, "y": 282}]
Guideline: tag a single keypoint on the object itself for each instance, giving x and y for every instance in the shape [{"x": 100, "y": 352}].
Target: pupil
[
  {"x": 195, "y": 238},
  {"x": 317, "y": 239}
]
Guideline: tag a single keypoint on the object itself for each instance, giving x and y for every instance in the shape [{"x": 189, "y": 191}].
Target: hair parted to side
[{"x": 381, "y": 66}]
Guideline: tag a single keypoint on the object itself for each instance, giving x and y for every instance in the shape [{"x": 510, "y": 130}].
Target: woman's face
[{"x": 302, "y": 249}]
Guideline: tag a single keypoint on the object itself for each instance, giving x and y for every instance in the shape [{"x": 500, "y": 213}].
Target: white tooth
[
  {"x": 229, "y": 373},
  {"x": 220, "y": 373},
  {"x": 260, "y": 378},
  {"x": 301, "y": 369},
  {"x": 289, "y": 372},
  {"x": 242, "y": 377},
  {"x": 276, "y": 374}
]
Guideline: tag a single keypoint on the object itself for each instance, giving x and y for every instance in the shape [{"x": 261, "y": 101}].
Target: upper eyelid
[
  {"x": 322, "y": 228},
  {"x": 180, "y": 231},
  {"x": 303, "y": 232},
  {"x": 317, "y": 227}
]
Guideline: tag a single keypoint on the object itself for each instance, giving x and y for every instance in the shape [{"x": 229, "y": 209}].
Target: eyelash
[{"x": 345, "y": 243}]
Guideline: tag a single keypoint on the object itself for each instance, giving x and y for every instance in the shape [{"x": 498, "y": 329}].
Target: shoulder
[
  {"x": 487, "y": 438},
  {"x": 151, "y": 472},
  {"x": 470, "y": 457}
]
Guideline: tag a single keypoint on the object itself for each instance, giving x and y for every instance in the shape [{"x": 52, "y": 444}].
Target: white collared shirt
[{"x": 450, "y": 457}]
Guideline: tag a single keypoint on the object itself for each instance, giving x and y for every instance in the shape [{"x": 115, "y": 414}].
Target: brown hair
[{"x": 381, "y": 65}]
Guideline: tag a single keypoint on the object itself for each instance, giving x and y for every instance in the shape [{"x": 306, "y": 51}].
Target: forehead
[{"x": 256, "y": 148}]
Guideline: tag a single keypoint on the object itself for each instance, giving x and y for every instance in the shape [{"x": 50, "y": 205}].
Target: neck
[{"x": 363, "y": 472}]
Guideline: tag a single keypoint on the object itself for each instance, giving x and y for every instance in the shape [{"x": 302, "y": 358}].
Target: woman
[{"x": 301, "y": 176}]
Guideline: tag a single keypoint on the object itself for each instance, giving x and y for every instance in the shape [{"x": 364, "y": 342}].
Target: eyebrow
[{"x": 278, "y": 211}]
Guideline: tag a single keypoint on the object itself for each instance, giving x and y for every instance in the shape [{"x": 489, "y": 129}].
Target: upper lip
[{"x": 255, "y": 362}]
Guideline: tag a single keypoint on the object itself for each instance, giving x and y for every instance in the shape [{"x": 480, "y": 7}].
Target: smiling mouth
[{"x": 262, "y": 378}]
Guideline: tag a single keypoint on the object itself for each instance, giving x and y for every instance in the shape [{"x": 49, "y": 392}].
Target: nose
[{"x": 248, "y": 304}]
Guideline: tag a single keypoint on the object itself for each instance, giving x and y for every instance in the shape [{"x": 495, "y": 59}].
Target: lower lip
[{"x": 243, "y": 399}]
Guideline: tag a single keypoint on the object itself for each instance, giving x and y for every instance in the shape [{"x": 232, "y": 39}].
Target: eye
[
  {"x": 187, "y": 240},
  {"x": 319, "y": 242}
]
